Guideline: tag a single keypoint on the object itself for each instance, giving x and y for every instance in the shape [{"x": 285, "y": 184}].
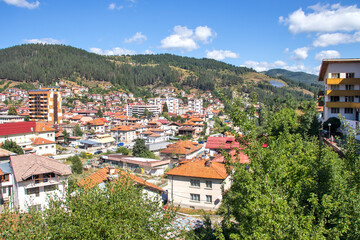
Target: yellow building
[
  {"x": 341, "y": 79},
  {"x": 45, "y": 105}
]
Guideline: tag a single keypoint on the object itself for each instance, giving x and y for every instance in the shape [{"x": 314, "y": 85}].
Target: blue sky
[{"x": 293, "y": 35}]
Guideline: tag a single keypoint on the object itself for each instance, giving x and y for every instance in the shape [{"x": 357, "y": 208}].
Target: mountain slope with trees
[{"x": 47, "y": 64}]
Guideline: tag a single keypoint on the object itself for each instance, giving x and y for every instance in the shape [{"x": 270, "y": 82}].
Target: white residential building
[
  {"x": 198, "y": 184},
  {"x": 35, "y": 178}
]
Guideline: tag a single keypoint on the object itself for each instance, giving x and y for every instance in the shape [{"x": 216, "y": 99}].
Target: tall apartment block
[
  {"x": 45, "y": 105},
  {"x": 196, "y": 105},
  {"x": 341, "y": 78}
]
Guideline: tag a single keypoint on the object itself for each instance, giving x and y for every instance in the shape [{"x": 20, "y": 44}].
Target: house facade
[
  {"x": 198, "y": 184},
  {"x": 35, "y": 178}
]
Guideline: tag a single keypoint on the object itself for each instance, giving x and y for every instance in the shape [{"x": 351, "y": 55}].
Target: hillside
[
  {"x": 38, "y": 64},
  {"x": 295, "y": 76}
]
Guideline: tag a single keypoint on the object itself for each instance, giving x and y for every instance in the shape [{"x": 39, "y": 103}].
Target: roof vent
[{"x": 207, "y": 163}]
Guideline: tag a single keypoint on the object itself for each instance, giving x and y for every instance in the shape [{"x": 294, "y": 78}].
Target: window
[
  {"x": 349, "y": 87},
  {"x": 195, "y": 183},
  {"x": 208, "y": 198},
  {"x": 335, "y": 110},
  {"x": 335, "y": 75},
  {"x": 348, "y": 110},
  {"x": 195, "y": 197},
  {"x": 334, "y": 99},
  {"x": 349, "y": 99},
  {"x": 50, "y": 188},
  {"x": 350, "y": 75},
  {"x": 208, "y": 184},
  {"x": 31, "y": 191},
  {"x": 4, "y": 178}
]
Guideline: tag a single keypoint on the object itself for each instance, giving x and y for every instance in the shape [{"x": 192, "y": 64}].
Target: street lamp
[{"x": 329, "y": 130}]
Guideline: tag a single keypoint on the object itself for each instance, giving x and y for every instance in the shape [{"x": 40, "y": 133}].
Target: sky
[{"x": 262, "y": 34}]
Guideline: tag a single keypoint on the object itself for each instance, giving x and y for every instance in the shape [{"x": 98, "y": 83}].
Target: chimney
[
  {"x": 111, "y": 171},
  {"x": 207, "y": 163}
]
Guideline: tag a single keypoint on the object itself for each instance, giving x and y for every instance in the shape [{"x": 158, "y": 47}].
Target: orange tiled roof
[
  {"x": 102, "y": 175},
  {"x": 41, "y": 141},
  {"x": 200, "y": 169},
  {"x": 123, "y": 128},
  {"x": 182, "y": 147},
  {"x": 43, "y": 127}
]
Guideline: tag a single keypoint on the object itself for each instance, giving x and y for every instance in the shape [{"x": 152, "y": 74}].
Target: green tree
[
  {"x": 12, "y": 111},
  {"x": 99, "y": 113},
  {"x": 66, "y": 136},
  {"x": 140, "y": 150},
  {"x": 119, "y": 210},
  {"x": 77, "y": 131},
  {"x": 165, "y": 108},
  {"x": 76, "y": 164},
  {"x": 12, "y": 147},
  {"x": 123, "y": 150}
]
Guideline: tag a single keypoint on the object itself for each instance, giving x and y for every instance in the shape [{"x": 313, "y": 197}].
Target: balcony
[
  {"x": 342, "y": 105},
  {"x": 42, "y": 182},
  {"x": 343, "y": 81},
  {"x": 343, "y": 92}
]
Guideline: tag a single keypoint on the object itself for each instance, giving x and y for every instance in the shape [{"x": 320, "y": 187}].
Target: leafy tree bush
[
  {"x": 12, "y": 147},
  {"x": 77, "y": 131},
  {"x": 123, "y": 150},
  {"x": 76, "y": 164}
]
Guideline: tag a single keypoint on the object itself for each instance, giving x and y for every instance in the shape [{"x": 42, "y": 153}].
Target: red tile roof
[
  {"x": 103, "y": 175},
  {"x": 239, "y": 158},
  {"x": 200, "y": 169},
  {"x": 17, "y": 128},
  {"x": 41, "y": 141},
  {"x": 221, "y": 143}
]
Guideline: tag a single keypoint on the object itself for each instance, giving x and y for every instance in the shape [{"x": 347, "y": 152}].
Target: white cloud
[
  {"x": 148, "y": 52},
  {"x": 113, "y": 51},
  {"x": 329, "y": 39},
  {"x": 327, "y": 54},
  {"x": 300, "y": 53},
  {"x": 264, "y": 66},
  {"x": 204, "y": 34},
  {"x": 184, "y": 38},
  {"x": 43, "y": 41},
  {"x": 324, "y": 18},
  {"x": 112, "y": 6},
  {"x": 23, "y": 3},
  {"x": 221, "y": 54},
  {"x": 138, "y": 37}
]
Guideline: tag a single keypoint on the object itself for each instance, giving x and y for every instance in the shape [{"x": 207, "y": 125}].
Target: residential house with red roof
[
  {"x": 182, "y": 149},
  {"x": 198, "y": 184},
  {"x": 35, "y": 178},
  {"x": 106, "y": 174},
  {"x": 36, "y": 137}
]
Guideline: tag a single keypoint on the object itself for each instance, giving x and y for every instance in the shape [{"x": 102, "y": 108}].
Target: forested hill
[
  {"x": 47, "y": 64},
  {"x": 295, "y": 76}
]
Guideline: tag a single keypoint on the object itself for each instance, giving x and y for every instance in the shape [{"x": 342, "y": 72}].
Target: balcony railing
[{"x": 350, "y": 81}]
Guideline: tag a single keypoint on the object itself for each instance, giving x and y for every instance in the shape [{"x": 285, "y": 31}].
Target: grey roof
[
  {"x": 89, "y": 142},
  {"x": 27, "y": 165},
  {"x": 6, "y": 168},
  {"x": 157, "y": 146}
]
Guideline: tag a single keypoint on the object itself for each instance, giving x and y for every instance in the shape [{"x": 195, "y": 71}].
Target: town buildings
[
  {"x": 35, "y": 177},
  {"x": 45, "y": 105},
  {"x": 198, "y": 184},
  {"x": 341, "y": 79}
]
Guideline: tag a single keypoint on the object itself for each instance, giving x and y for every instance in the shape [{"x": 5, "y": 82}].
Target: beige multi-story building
[
  {"x": 45, "y": 105},
  {"x": 341, "y": 78}
]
